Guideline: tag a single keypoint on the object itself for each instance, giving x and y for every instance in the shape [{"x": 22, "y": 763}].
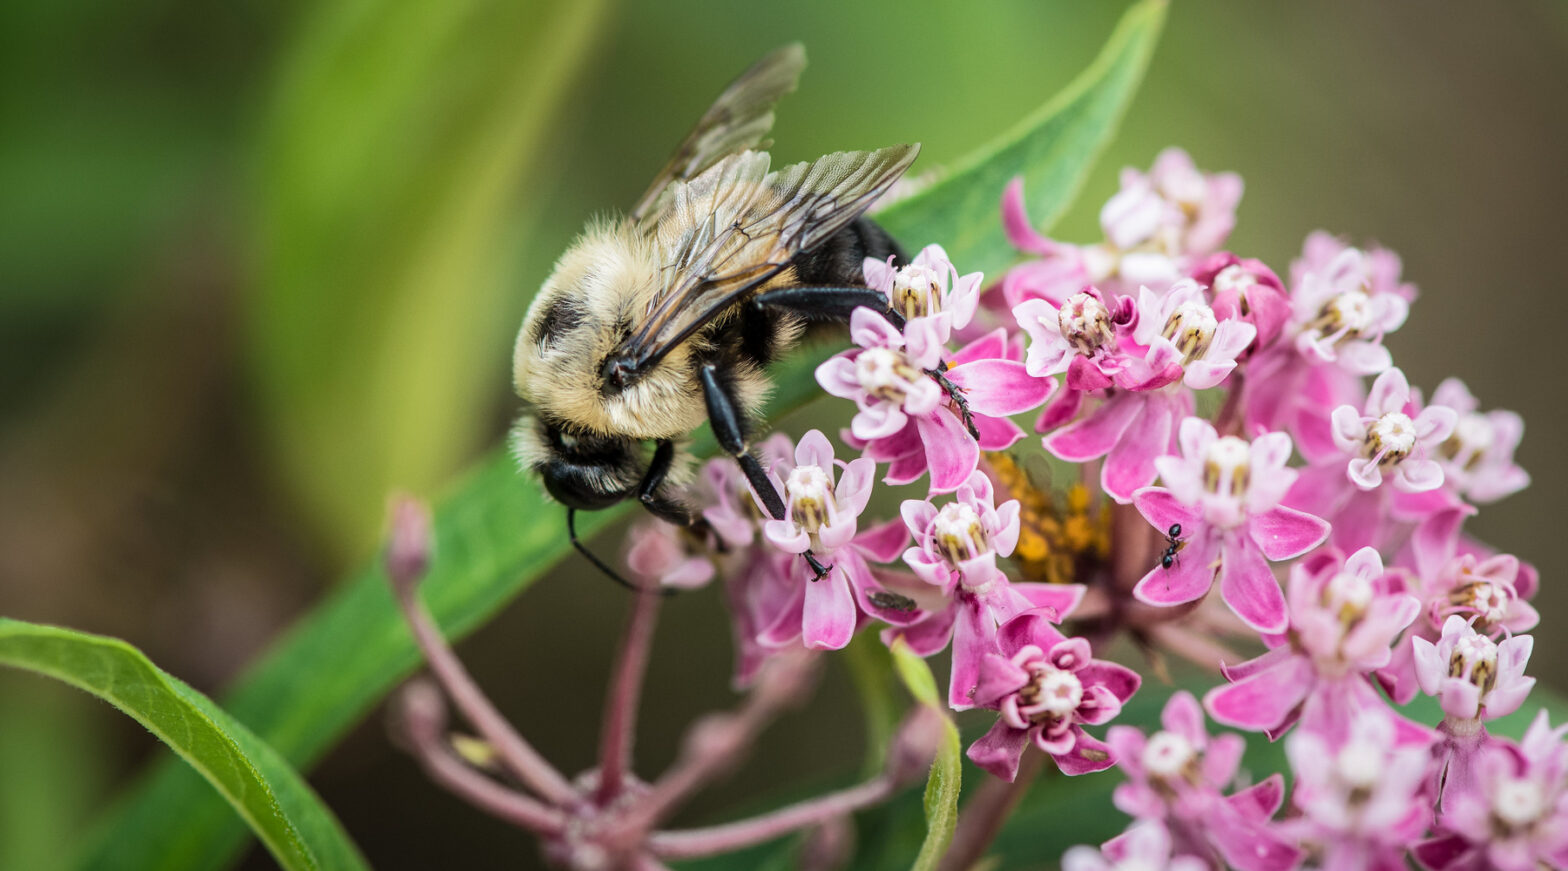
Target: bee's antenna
[{"x": 571, "y": 531}]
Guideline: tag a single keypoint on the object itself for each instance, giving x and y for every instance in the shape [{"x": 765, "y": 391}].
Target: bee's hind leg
[
  {"x": 729, "y": 428},
  {"x": 827, "y": 303}
]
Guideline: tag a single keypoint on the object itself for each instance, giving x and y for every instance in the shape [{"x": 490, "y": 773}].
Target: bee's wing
[
  {"x": 737, "y": 121},
  {"x": 737, "y": 225}
]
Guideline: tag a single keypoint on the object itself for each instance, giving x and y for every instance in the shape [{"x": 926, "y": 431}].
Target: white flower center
[
  {"x": 1392, "y": 436},
  {"x": 1233, "y": 277},
  {"x": 1359, "y": 765},
  {"x": 1349, "y": 595},
  {"x": 958, "y": 534},
  {"x": 885, "y": 373},
  {"x": 1191, "y": 328},
  {"x": 1518, "y": 803},
  {"x": 1475, "y": 659},
  {"x": 1472, "y": 437},
  {"x": 1051, "y": 695},
  {"x": 1349, "y": 312},
  {"x": 916, "y": 291},
  {"x": 1168, "y": 755},
  {"x": 810, "y": 491},
  {"x": 1227, "y": 467},
  {"x": 1085, "y": 323}
]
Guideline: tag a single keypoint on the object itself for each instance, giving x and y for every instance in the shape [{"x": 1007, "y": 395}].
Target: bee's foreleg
[
  {"x": 649, "y": 491},
  {"x": 729, "y": 428},
  {"x": 827, "y": 303},
  {"x": 956, "y": 393}
]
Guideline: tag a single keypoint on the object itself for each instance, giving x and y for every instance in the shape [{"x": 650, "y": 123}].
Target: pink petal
[
  {"x": 1184, "y": 716},
  {"x": 1097, "y": 434},
  {"x": 1089, "y": 754},
  {"x": 1059, "y": 599},
  {"x": 1119, "y": 679},
  {"x": 1260, "y": 801},
  {"x": 1161, "y": 508},
  {"x": 991, "y": 346},
  {"x": 1000, "y": 387},
  {"x": 1284, "y": 533},
  {"x": 1263, "y": 700},
  {"x": 974, "y": 636},
  {"x": 997, "y": 433},
  {"x": 1389, "y": 394},
  {"x": 828, "y": 621},
  {"x": 871, "y": 330},
  {"x": 1015, "y": 222},
  {"x": 999, "y": 750},
  {"x": 1418, "y": 476},
  {"x": 854, "y": 485},
  {"x": 1364, "y": 473},
  {"x": 1348, "y": 429},
  {"x": 950, "y": 451},
  {"x": 884, "y": 543},
  {"x": 1130, "y": 464},
  {"x": 929, "y": 636},
  {"x": 1188, "y": 579},
  {"x": 1249, "y": 588},
  {"x": 997, "y": 678}
]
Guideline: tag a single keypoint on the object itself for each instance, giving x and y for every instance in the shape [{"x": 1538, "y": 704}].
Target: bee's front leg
[
  {"x": 827, "y": 303},
  {"x": 956, "y": 393},
  {"x": 729, "y": 428}
]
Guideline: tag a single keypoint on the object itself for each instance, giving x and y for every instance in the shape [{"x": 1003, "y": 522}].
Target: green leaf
[
  {"x": 942, "y": 788},
  {"x": 301, "y": 833},
  {"x": 1052, "y": 149},
  {"x": 390, "y": 163},
  {"x": 495, "y": 534}
]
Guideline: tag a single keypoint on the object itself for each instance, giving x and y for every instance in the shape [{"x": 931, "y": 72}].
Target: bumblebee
[{"x": 653, "y": 322}]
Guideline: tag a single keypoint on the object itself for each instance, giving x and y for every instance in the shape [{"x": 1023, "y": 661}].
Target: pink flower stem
[
  {"x": 1132, "y": 547},
  {"x": 1228, "y": 421},
  {"x": 512, "y": 750},
  {"x": 696, "y": 843},
  {"x": 718, "y": 741},
  {"x": 425, "y": 730},
  {"x": 982, "y": 817},
  {"x": 620, "y": 708}
]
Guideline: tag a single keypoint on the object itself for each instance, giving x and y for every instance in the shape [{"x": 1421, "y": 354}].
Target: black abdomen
[{"x": 837, "y": 262}]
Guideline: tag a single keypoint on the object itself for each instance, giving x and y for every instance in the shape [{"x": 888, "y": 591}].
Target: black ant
[{"x": 1173, "y": 539}]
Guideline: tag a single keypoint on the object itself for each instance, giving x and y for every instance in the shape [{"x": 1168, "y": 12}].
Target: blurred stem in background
[
  {"x": 387, "y": 188},
  {"x": 52, "y": 756}
]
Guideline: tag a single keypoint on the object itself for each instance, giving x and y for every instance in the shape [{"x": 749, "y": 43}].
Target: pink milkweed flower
[
  {"x": 1225, "y": 494},
  {"x": 1344, "y": 614},
  {"x": 1489, "y": 592},
  {"x": 886, "y": 377},
  {"x": 665, "y": 555},
  {"x": 1478, "y": 458},
  {"x": 929, "y": 293},
  {"x": 995, "y": 384},
  {"x": 1080, "y": 337},
  {"x": 1474, "y": 677},
  {"x": 1175, "y": 210},
  {"x": 1246, "y": 290},
  {"x": 1361, "y": 799},
  {"x": 1344, "y": 305},
  {"x": 823, "y": 499},
  {"x": 1384, "y": 438},
  {"x": 732, "y": 511},
  {"x": 1514, "y": 815},
  {"x": 1180, "y": 329},
  {"x": 1177, "y": 776},
  {"x": 1047, "y": 688},
  {"x": 966, "y": 596},
  {"x": 1145, "y": 846}
]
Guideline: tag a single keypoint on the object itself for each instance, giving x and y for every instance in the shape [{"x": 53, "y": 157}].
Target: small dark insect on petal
[{"x": 891, "y": 601}]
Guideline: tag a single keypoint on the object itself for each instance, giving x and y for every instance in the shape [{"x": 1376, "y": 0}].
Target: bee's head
[{"x": 580, "y": 469}]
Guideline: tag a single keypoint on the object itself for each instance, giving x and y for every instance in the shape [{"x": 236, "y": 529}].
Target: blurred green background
[{"x": 260, "y": 263}]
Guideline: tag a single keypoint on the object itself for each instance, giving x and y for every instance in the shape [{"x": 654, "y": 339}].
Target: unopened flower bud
[
  {"x": 408, "y": 544},
  {"x": 915, "y": 744},
  {"x": 829, "y": 846}
]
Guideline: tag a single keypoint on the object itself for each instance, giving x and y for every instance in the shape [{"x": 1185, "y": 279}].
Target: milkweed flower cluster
[
  {"x": 1316, "y": 507},
  {"x": 1148, "y": 436}
]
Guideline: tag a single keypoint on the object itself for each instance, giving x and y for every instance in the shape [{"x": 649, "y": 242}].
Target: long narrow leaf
[
  {"x": 946, "y": 780},
  {"x": 301, "y": 833}
]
